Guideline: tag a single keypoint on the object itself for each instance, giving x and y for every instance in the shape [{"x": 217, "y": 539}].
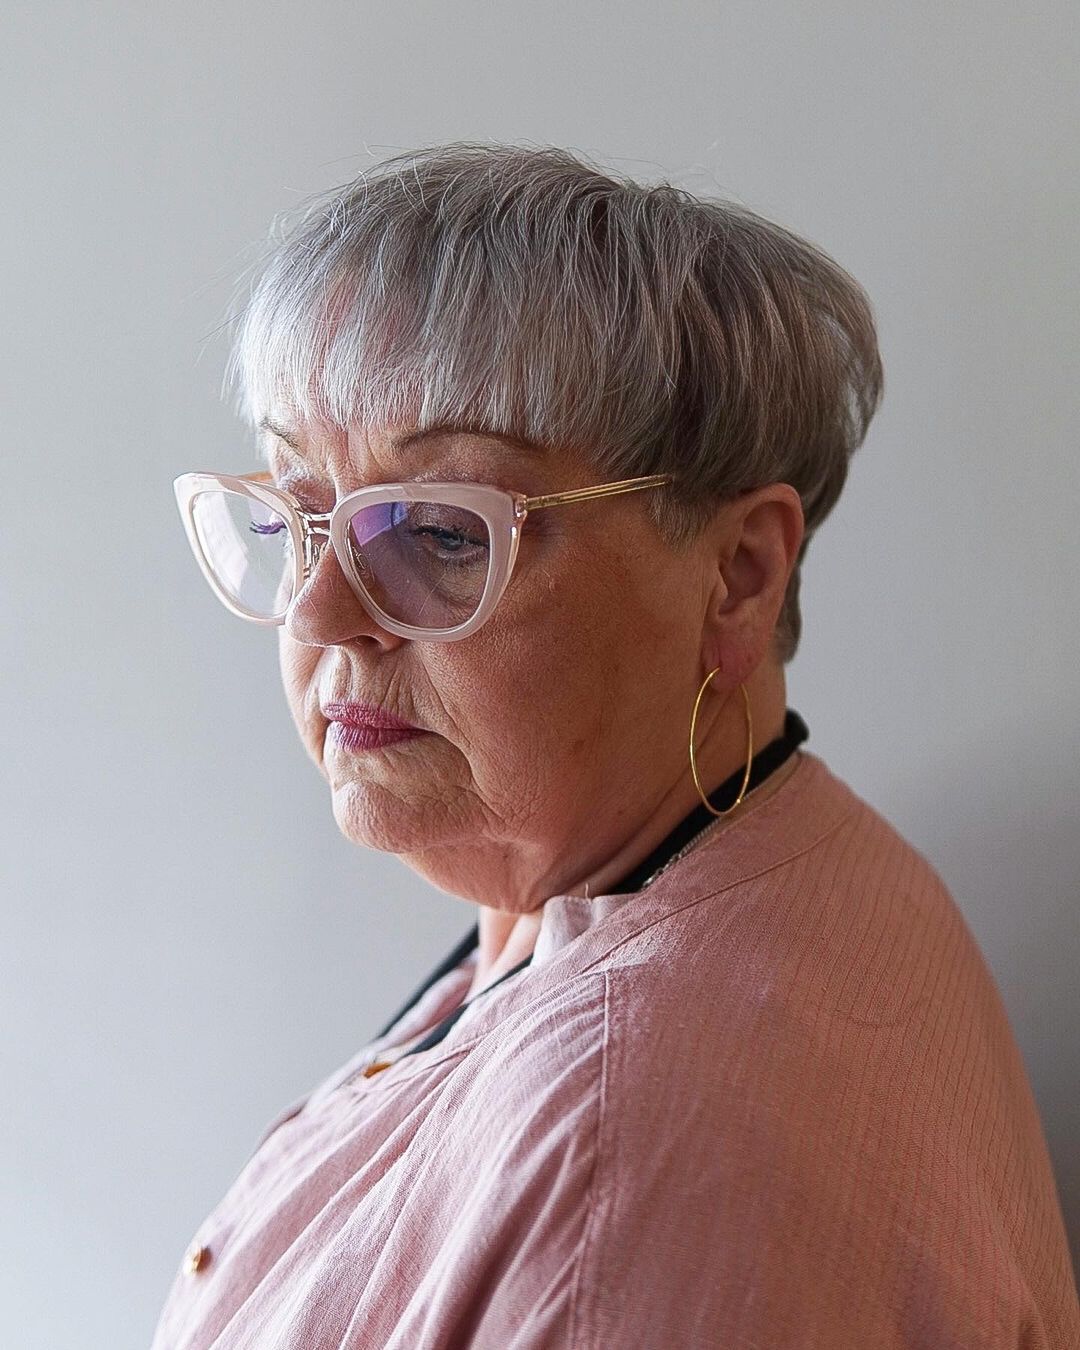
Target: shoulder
[
  {"x": 831, "y": 985},
  {"x": 809, "y": 1076},
  {"x": 851, "y": 918}
]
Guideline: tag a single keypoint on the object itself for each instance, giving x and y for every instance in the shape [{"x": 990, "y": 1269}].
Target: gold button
[
  {"x": 376, "y": 1065},
  {"x": 197, "y": 1258}
]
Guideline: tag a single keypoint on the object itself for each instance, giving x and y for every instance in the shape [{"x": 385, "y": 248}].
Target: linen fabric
[{"x": 771, "y": 1100}]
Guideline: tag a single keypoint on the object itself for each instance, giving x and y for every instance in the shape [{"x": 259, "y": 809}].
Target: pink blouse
[{"x": 771, "y": 1100}]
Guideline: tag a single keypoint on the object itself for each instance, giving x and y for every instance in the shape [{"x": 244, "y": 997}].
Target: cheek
[
  {"x": 534, "y": 687},
  {"x": 297, "y": 662},
  {"x": 514, "y": 698}
]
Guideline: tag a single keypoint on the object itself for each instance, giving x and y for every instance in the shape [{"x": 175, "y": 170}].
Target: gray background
[{"x": 188, "y": 942}]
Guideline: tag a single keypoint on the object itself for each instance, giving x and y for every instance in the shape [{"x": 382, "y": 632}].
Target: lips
[
  {"x": 353, "y": 737},
  {"x": 366, "y": 716},
  {"x": 361, "y": 726}
]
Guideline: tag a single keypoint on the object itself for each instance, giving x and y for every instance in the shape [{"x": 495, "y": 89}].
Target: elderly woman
[{"x": 719, "y": 1063}]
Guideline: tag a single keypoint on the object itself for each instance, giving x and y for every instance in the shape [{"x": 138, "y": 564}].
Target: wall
[{"x": 189, "y": 943}]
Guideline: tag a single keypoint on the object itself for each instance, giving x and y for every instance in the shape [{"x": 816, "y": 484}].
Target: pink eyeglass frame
[{"x": 504, "y": 511}]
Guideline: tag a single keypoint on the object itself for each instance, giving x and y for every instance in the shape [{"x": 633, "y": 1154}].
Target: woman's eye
[
  {"x": 448, "y": 534},
  {"x": 452, "y": 541}
]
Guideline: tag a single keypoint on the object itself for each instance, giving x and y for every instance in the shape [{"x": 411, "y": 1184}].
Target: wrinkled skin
[{"x": 558, "y": 749}]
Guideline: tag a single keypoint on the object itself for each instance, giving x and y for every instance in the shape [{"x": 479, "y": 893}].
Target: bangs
[
  {"x": 495, "y": 316},
  {"x": 525, "y": 293}
]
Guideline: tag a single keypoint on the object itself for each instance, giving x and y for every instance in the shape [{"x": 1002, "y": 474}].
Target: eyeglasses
[{"x": 426, "y": 560}]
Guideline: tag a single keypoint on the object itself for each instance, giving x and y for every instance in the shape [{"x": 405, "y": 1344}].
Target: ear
[{"x": 756, "y": 543}]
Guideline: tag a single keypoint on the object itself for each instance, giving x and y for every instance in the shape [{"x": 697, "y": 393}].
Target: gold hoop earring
[{"x": 749, "y": 747}]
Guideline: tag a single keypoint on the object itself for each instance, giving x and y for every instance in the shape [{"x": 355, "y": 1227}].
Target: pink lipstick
[{"x": 361, "y": 726}]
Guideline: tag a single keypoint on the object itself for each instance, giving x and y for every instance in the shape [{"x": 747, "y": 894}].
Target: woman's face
[{"x": 553, "y": 730}]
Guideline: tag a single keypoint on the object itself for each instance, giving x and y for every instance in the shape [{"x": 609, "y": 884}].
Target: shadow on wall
[{"x": 1000, "y": 827}]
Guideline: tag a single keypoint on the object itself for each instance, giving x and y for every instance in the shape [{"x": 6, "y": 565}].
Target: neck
[{"x": 506, "y": 937}]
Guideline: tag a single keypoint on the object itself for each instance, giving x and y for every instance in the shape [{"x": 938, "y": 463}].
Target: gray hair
[{"x": 525, "y": 292}]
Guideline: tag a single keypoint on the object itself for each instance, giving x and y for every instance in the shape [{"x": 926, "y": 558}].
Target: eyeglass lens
[
  {"x": 248, "y": 548},
  {"x": 423, "y": 563}
]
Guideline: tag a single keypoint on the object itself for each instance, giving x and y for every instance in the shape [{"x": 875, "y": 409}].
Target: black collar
[{"x": 766, "y": 761}]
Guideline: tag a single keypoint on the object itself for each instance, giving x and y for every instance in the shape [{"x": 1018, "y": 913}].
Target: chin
[{"x": 374, "y": 818}]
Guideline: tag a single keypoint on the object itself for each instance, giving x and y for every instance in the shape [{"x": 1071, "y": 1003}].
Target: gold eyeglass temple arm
[{"x": 603, "y": 490}]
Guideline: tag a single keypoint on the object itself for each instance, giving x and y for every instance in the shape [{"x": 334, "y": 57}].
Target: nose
[{"x": 326, "y": 610}]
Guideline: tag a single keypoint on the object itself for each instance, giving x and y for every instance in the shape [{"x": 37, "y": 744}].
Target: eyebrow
[
  {"x": 407, "y": 440},
  {"x": 267, "y": 424}
]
